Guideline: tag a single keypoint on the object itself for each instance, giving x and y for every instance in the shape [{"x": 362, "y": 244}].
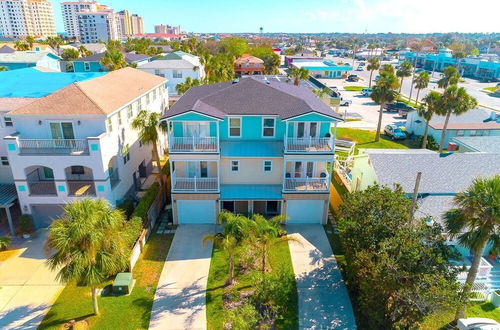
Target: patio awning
[
  {"x": 8, "y": 194},
  {"x": 250, "y": 192}
]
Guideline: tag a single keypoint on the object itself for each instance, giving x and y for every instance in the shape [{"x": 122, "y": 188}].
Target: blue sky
[{"x": 357, "y": 16}]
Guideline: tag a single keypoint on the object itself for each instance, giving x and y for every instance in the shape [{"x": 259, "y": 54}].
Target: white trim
[
  {"x": 264, "y": 166},
  {"x": 317, "y": 113},
  {"x": 231, "y": 165},
  {"x": 229, "y": 126},
  {"x": 192, "y": 111},
  {"x": 274, "y": 127}
]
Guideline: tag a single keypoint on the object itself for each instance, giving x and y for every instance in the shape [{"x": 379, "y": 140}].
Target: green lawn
[
  {"x": 405, "y": 100},
  {"x": 365, "y": 139},
  {"x": 120, "y": 312},
  {"x": 491, "y": 89},
  {"x": 279, "y": 257},
  {"x": 478, "y": 309},
  {"x": 354, "y": 88}
]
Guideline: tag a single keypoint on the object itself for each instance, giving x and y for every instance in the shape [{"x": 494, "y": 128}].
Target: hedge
[{"x": 145, "y": 203}]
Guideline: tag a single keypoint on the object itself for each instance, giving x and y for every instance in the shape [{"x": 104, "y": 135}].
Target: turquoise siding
[
  {"x": 193, "y": 117},
  {"x": 213, "y": 128},
  {"x": 252, "y": 129},
  {"x": 312, "y": 117},
  {"x": 15, "y": 66},
  {"x": 178, "y": 131},
  {"x": 94, "y": 67}
]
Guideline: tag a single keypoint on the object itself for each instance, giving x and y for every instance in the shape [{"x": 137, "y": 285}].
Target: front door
[
  {"x": 192, "y": 169},
  {"x": 193, "y": 129},
  {"x": 62, "y": 131},
  {"x": 303, "y": 169},
  {"x": 204, "y": 169}
]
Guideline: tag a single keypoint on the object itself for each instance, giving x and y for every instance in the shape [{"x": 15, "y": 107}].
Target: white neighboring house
[
  {"x": 77, "y": 142},
  {"x": 176, "y": 67}
]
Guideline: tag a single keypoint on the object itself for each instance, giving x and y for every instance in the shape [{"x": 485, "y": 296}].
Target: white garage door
[
  {"x": 305, "y": 211},
  {"x": 200, "y": 212}
]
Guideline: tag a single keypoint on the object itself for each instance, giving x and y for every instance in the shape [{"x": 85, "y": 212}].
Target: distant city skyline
[{"x": 355, "y": 16}]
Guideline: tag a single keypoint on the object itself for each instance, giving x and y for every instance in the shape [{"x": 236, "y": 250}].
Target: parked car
[
  {"x": 366, "y": 91},
  {"x": 353, "y": 77},
  {"x": 403, "y": 113},
  {"x": 394, "y": 132},
  {"x": 396, "y": 106},
  {"x": 345, "y": 103},
  {"x": 359, "y": 68},
  {"x": 477, "y": 323},
  {"x": 362, "y": 64}
]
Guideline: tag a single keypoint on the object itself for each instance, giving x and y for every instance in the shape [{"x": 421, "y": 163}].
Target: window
[
  {"x": 86, "y": 66},
  {"x": 235, "y": 166},
  {"x": 110, "y": 125},
  {"x": 268, "y": 127},
  {"x": 472, "y": 133},
  {"x": 119, "y": 118},
  {"x": 176, "y": 74},
  {"x": 147, "y": 99},
  {"x": 155, "y": 92},
  {"x": 460, "y": 133},
  {"x": 129, "y": 111},
  {"x": 126, "y": 154},
  {"x": 8, "y": 121},
  {"x": 268, "y": 166},
  {"x": 235, "y": 127},
  {"x": 4, "y": 160},
  {"x": 140, "y": 104},
  {"x": 77, "y": 170}
]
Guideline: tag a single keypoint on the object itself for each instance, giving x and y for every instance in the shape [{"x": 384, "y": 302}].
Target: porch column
[
  {"x": 218, "y": 174},
  {"x": 286, "y": 136},
  {"x": 218, "y": 135},
  {"x": 284, "y": 174},
  {"x": 250, "y": 206},
  {"x": 9, "y": 219}
]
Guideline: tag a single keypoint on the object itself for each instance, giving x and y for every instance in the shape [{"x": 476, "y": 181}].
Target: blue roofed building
[
  {"x": 27, "y": 59},
  {"x": 323, "y": 68},
  {"x": 250, "y": 146},
  {"x": 93, "y": 63}
]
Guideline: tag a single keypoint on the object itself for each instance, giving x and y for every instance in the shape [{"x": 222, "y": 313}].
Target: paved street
[
  {"x": 179, "y": 301},
  {"x": 323, "y": 299},
  {"x": 27, "y": 287}
]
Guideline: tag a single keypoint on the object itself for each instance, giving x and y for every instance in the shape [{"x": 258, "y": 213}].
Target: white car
[
  {"x": 345, "y": 103},
  {"x": 477, "y": 323}
]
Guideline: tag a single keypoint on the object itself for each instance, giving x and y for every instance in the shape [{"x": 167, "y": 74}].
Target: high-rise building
[
  {"x": 125, "y": 22},
  {"x": 99, "y": 26},
  {"x": 20, "y": 18},
  {"x": 70, "y": 17},
  {"x": 167, "y": 29},
  {"x": 137, "y": 24}
]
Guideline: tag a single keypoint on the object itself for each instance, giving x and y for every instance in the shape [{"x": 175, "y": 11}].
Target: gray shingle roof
[
  {"x": 251, "y": 96},
  {"x": 440, "y": 175},
  {"x": 480, "y": 143}
]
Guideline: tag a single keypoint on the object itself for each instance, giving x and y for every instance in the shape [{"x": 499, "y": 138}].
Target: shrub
[
  {"x": 127, "y": 206},
  {"x": 431, "y": 142},
  {"x": 142, "y": 208},
  {"x": 244, "y": 317},
  {"x": 166, "y": 169},
  {"x": 4, "y": 243},
  {"x": 26, "y": 223},
  {"x": 133, "y": 229}
]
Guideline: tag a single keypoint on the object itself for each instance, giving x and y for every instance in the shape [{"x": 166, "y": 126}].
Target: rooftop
[
  {"x": 129, "y": 57},
  {"x": 321, "y": 65},
  {"x": 34, "y": 82},
  {"x": 175, "y": 60},
  {"x": 473, "y": 119},
  {"x": 24, "y": 56},
  {"x": 251, "y": 96},
  {"x": 480, "y": 143}
]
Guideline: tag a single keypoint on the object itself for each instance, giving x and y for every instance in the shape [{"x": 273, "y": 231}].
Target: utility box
[{"x": 123, "y": 283}]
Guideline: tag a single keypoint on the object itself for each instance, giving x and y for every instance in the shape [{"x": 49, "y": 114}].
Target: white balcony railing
[
  {"x": 193, "y": 144},
  {"x": 54, "y": 147},
  {"x": 194, "y": 184},
  {"x": 482, "y": 273},
  {"x": 306, "y": 184},
  {"x": 309, "y": 144}
]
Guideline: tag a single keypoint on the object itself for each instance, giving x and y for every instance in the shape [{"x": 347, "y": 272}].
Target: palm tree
[
  {"x": 421, "y": 82},
  {"x": 236, "y": 230},
  {"x": 113, "y": 59},
  {"x": 373, "y": 64},
  {"x": 147, "y": 124},
  {"x": 383, "y": 92},
  {"x": 450, "y": 77},
  {"x": 3, "y": 68},
  {"x": 405, "y": 70},
  {"x": 30, "y": 40},
  {"x": 84, "y": 51},
  {"x": 475, "y": 222},
  {"x": 431, "y": 102},
  {"x": 21, "y": 46},
  {"x": 55, "y": 43},
  {"x": 182, "y": 88},
  {"x": 89, "y": 244},
  {"x": 454, "y": 100},
  {"x": 387, "y": 68},
  {"x": 299, "y": 74}
]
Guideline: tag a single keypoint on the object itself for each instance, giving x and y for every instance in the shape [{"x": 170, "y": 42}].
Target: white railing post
[
  {"x": 195, "y": 184},
  {"x": 307, "y": 182},
  {"x": 192, "y": 143}
]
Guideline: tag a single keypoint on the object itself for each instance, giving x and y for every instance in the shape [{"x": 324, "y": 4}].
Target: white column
[
  {"x": 218, "y": 135},
  {"x": 9, "y": 219},
  {"x": 286, "y": 136}
]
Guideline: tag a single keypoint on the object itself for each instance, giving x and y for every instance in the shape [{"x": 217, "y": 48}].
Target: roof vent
[{"x": 235, "y": 81}]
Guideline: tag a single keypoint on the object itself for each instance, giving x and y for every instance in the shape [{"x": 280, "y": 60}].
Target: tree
[
  {"x": 3, "y": 68},
  {"x": 89, "y": 244},
  {"x": 55, "y": 43},
  {"x": 421, "y": 82},
  {"x": 383, "y": 92},
  {"x": 234, "y": 47},
  {"x": 475, "y": 221},
  {"x": 21, "y": 46},
  {"x": 398, "y": 265},
  {"x": 405, "y": 70},
  {"x": 299, "y": 74},
  {"x": 30, "y": 40},
  {"x": 70, "y": 54},
  {"x": 271, "y": 63},
  {"x": 456, "y": 101},
  {"x": 387, "y": 68},
  {"x": 373, "y": 64},
  {"x": 431, "y": 102},
  {"x": 450, "y": 77},
  {"x": 84, "y": 51},
  {"x": 236, "y": 230},
  {"x": 147, "y": 124},
  {"x": 113, "y": 59},
  {"x": 182, "y": 88}
]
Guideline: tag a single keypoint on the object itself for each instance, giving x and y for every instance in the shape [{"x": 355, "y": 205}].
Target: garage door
[
  {"x": 200, "y": 212},
  {"x": 305, "y": 211},
  {"x": 43, "y": 215}
]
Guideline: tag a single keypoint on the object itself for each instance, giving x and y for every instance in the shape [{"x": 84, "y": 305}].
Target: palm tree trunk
[
  {"x": 401, "y": 85},
  {"x": 156, "y": 156},
  {"x": 424, "y": 140},
  {"x": 231, "y": 268},
  {"x": 263, "y": 266},
  {"x": 416, "y": 98},
  {"x": 296, "y": 81},
  {"x": 94, "y": 300},
  {"x": 370, "y": 83},
  {"x": 411, "y": 88},
  {"x": 443, "y": 132},
  {"x": 469, "y": 282},
  {"x": 379, "y": 125}
]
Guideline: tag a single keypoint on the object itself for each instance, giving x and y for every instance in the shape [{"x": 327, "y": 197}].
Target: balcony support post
[{"x": 286, "y": 136}]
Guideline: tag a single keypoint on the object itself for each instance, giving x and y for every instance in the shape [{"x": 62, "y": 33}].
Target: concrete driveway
[
  {"x": 27, "y": 287},
  {"x": 180, "y": 300},
  {"x": 323, "y": 299}
]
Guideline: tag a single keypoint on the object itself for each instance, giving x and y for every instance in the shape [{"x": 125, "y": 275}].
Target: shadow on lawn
[{"x": 56, "y": 322}]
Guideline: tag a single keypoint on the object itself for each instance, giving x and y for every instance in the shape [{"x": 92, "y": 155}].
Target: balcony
[
  {"x": 53, "y": 147},
  {"x": 309, "y": 144},
  {"x": 306, "y": 184},
  {"x": 193, "y": 144},
  {"x": 79, "y": 188},
  {"x": 194, "y": 184}
]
